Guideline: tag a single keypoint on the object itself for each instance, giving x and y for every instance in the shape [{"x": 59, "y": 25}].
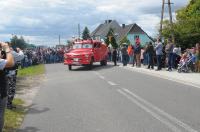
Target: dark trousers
[
  {"x": 2, "y": 111},
  {"x": 134, "y": 59},
  {"x": 175, "y": 58},
  {"x": 115, "y": 60},
  {"x": 150, "y": 61},
  {"x": 124, "y": 59},
  {"x": 159, "y": 62},
  {"x": 170, "y": 61}
]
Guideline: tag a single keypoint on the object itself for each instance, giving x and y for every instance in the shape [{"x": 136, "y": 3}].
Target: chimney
[
  {"x": 123, "y": 25},
  {"x": 109, "y": 21},
  {"x": 106, "y": 21}
]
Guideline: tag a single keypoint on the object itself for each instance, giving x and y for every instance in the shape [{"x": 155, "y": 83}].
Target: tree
[
  {"x": 110, "y": 39},
  {"x": 20, "y": 42},
  {"x": 86, "y": 34},
  {"x": 187, "y": 26},
  {"x": 124, "y": 40}
]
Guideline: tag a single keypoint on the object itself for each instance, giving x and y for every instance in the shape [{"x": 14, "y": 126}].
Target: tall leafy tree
[
  {"x": 110, "y": 39},
  {"x": 86, "y": 34},
  {"x": 187, "y": 26},
  {"x": 18, "y": 42}
]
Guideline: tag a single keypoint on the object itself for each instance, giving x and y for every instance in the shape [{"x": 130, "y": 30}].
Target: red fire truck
[{"x": 85, "y": 53}]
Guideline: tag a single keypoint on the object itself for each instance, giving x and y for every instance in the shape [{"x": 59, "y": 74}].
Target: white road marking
[
  {"x": 158, "y": 117},
  {"x": 99, "y": 75},
  {"x": 102, "y": 77},
  {"x": 111, "y": 83},
  {"x": 161, "y": 112}
]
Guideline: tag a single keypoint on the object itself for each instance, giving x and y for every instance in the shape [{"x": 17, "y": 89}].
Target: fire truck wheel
[
  {"x": 70, "y": 67},
  {"x": 103, "y": 62},
  {"x": 90, "y": 66}
]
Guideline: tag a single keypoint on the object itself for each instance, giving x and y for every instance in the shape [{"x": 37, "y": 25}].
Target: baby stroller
[{"x": 186, "y": 64}]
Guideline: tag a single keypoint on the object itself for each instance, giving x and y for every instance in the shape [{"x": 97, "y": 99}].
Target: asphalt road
[{"x": 111, "y": 99}]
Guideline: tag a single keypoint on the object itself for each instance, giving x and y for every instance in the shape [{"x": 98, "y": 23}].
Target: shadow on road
[
  {"x": 33, "y": 110},
  {"x": 95, "y": 68},
  {"x": 28, "y": 129}
]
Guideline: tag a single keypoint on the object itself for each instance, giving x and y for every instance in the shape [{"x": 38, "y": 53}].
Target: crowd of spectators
[
  {"x": 169, "y": 56},
  {"x": 42, "y": 55}
]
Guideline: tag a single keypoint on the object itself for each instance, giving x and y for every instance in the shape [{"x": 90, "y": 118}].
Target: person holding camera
[{"x": 7, "y": 62}]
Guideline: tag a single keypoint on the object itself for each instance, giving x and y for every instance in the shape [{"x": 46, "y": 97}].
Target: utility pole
[
  {"x": 59, "y": 39},
  {"x": 79, "y": 31},
  {"x": 162, "y": 14},
  {"x": 170, "y": 17}
]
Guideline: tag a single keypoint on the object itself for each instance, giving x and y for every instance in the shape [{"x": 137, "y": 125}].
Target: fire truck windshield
[{"x": 82, "y": 46}]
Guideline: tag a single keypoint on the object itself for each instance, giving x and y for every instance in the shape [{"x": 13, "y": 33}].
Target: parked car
[{"x": 85, "y": 53}]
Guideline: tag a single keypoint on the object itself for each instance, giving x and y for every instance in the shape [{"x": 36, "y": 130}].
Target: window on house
[{"x": 136, "y": 36}]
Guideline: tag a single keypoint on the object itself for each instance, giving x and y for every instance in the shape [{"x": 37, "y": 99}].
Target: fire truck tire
[
  {"x": 103, "y": 62},
  {"x": 90, "y": 66},
  {"x": 70, "y": 67}
]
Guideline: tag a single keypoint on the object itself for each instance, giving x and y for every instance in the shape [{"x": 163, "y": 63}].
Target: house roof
[
  {"x": 96, "y": 30},
  {"x": 132, "y": 28},
  {"x": 124, "y": 31},
  {"x": 103, "y": 29}
]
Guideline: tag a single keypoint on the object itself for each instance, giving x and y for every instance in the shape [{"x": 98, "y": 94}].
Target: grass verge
[
  {"x": 14, "y": 118},
  {"x": 31, "y": 71}
]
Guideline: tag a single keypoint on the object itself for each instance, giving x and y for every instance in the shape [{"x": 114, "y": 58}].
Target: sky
[{"x": 42, "y": 21}]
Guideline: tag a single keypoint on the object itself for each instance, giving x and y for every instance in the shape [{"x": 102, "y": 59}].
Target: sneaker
[{"x": 169, "y": 70}]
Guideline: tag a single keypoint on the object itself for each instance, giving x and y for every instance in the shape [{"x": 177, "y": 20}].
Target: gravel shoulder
[{"x": 28, "y": 87}]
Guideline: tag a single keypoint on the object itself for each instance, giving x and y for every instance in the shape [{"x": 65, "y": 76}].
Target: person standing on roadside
[
  {"x": 169, "y": 54},
  {"x": 130, "y": 53},
  {"x": 12, "y": 76},
  {"x": 5, "y": 62},
  {"x": 134, "y": 58},
  {"x": 114, "y": 56},
  {"x": 197, "y": 65},
  {"x": 137, "y": 52},
  {"x": 150, "y": 52},
  {"x": 109, "y": 54},
  {"x": 159, "y": 53},
  {"x": 124, "y": 55}
]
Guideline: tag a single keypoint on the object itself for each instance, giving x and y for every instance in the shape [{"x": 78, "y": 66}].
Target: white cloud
[
  {"x": 44, "y": 20},
  {"x": 149, "y": 23}
]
